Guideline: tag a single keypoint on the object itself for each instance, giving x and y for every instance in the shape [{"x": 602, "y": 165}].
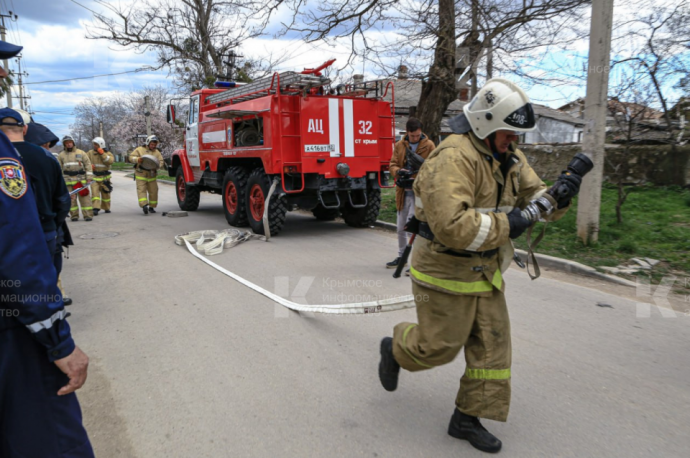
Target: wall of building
[
  {"x": 652, "y": 164},
  {"x": 553, "y": 131}
]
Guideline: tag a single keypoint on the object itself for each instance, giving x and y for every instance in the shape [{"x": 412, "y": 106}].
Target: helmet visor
[{"x": 522, "y": 118}]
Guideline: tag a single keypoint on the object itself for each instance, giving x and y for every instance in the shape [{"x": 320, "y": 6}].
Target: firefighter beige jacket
[
  {"x": 462, "y": 194},
  {"x": 425, "y": 147},
  {"x": 101, "y": 162},
  {"x": 142, "y": 151},
  {"x": 75, "y": 161}
]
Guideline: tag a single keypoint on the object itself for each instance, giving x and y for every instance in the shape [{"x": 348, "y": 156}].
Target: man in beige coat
[
  {"x": 468, "y": 200},
  {"x": 408, "y": 156}
]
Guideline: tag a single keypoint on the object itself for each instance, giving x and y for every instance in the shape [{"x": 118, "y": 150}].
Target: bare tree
[
  {"x": 89, "y": 114},
  {"x": 657, "y": 48},
  {"x": 429, "y": 34},
  {"x": 194, "y": 39},
  {"x": 628, "y": 129}
]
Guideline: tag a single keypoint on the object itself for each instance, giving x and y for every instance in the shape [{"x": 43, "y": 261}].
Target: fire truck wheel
[
  {"x": 325, "y": 214},
  {"x": 234, "y": 196},
  {"x": 187, "y": 196},
  {"x": 363, "y": 217},
  {"x": 258, "y": 186}
]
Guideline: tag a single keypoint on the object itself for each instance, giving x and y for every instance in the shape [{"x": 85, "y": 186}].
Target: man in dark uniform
[
  {"x": 40, "y": 135},
  {"x": 40, "y": 366},
  {"x": 50, "y": 191}
]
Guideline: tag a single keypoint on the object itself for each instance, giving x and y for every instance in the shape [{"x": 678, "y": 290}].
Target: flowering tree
[{"x": 128, "y": 128}]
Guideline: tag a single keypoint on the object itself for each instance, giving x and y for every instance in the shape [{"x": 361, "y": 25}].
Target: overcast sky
[{"x": 55, "y": 48}]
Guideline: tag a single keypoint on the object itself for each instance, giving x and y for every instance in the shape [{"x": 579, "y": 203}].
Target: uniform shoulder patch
[{"x": 12, "y": 178}]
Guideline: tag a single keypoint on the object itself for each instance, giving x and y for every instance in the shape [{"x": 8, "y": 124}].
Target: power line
[
  {"x": 143, "y": 69},
  {"x": 86, "y": 8}
]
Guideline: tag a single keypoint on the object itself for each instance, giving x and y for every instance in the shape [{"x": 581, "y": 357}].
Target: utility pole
[
  {"x": 22, "y": 105},
  {"x": 100, "y": 128},
  {"x": 490, "y": 61},
  {"x": 3, "y": 30},
  {"x": 475, "y": 52},
  {"x": 589, "y": 203},
  {"x": 147, "y": 113}
]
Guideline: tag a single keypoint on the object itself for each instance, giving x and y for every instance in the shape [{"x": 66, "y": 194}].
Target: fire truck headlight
[
  {"x": 343, "y": 169},
  {"x": 372, "y": 175}
]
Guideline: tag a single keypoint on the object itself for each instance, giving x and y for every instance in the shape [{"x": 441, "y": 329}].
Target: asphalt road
[{"x": 186, "y": 362}]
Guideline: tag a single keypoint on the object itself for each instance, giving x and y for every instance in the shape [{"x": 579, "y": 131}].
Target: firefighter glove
[
  {"x": 518, "y": 223},
  {"x": 100, "y": 150},
  {"x": 567, "y": 186}
]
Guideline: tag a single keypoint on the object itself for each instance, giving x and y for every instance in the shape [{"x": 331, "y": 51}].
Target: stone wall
[{"x": 651, "y": 163}]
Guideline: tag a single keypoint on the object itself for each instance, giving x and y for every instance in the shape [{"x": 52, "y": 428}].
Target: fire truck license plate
[{"x": 319, "y": 148}]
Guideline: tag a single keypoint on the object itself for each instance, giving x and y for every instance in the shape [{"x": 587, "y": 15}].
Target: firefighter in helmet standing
[
  {"x": 408, "y": 156},
  {"x": 77, "y": 171},
  {"x": 468, "y": 197},
  {"x": 101, "y": 160},
  {"x": 147, "y": 186}
]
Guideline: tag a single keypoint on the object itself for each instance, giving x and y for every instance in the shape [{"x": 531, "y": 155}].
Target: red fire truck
[{"x": 328, "y": 149}]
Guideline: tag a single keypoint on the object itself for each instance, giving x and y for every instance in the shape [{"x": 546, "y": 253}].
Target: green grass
[
  {"x": 656, "y": 224},
  {"x": 388, "y": 211},
  {"x": 122, "y": 166}
]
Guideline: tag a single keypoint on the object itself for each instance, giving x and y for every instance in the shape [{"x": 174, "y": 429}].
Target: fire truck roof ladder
[{"x": 290, "y": 82}]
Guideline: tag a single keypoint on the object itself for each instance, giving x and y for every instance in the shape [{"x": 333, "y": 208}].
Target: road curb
[{"x": 550, "y": 262}]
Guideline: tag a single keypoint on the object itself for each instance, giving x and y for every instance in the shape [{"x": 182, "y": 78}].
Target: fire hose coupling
[
  {"x": 559, "y": 195},
  {"x": 343, "y": 169}
]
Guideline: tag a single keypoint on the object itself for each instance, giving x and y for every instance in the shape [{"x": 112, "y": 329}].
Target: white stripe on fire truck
[
  {"x": 334, "y": 126},
  {"x": 348, "y": 114},
  {"x": 217, "y": 136}
]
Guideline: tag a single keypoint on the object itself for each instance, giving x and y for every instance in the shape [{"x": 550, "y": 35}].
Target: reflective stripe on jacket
[
  {"x": 75, "y": 161},
  {"x": 101, "y": 162},
  {"x": 141, "y": 151},
  {"x": 463, "y": 196}
]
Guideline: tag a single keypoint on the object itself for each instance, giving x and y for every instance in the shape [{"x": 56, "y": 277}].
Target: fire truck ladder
[{"x": 286, "y": 83}]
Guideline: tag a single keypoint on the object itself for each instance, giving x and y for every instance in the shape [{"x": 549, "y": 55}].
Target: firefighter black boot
[
  {"x": 470, "y": 429},
  {"x": 152, "y": 210},
  {"x": 146, "y": 209},
  {"x": 389, "y": 369},
  {"x": 95, "y": 211}
]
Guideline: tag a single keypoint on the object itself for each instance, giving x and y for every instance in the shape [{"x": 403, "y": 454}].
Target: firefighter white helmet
[
  {"x": 499, "y": 105},
  {"x": 151, "y": 138},
  {"x": 99, "y": 141},
  {"x": 67, "y": 138}
]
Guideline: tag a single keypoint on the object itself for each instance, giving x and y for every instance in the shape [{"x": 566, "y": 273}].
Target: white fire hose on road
[{"x": 214, "y": 242}]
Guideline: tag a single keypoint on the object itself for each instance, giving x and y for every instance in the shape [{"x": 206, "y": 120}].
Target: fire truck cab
[{"x": 326, "y": 149}]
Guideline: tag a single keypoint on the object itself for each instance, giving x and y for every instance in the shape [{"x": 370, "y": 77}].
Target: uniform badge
[
  {"x": 490, "y": 98},
  {"x": 12, "y": 178}
]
